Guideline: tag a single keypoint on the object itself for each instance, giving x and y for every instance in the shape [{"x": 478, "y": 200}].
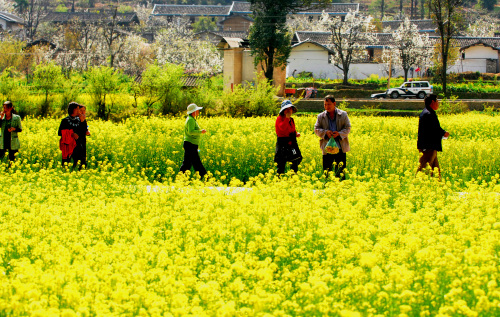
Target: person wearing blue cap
[
  {"x": 192, "y": 136},
  {"x": 287, "y": 149}
]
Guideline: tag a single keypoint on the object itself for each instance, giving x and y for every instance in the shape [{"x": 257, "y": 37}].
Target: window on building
[{"x": 371, "y": 54}]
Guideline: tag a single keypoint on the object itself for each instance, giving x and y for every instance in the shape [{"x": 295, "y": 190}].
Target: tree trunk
[
  {"x": 444, "y": 53},
  {"x": 401, "y": 6},
  {"x": 422, "y": 9},
  {"x": 406, "y": 74},
  {"x": 382, "y": 7},
  {"x": 345, "y": 70}
]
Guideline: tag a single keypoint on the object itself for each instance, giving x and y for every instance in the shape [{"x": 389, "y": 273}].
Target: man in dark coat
[{"x": 430, "y": 134}]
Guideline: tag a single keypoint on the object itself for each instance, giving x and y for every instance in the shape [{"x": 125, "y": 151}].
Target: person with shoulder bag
[
  {"x": 287, "y": 149},
  {"x": 10, "y": 126}
]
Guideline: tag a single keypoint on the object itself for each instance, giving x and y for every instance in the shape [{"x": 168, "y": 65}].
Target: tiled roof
[
  {"x": 322, "y": 38},
  {"x": 245, "y": 17},
  {"x": 10, "y": 17},
  {"x": 386, "y": 39},
  {"x": 192, "y": 10},
  {"x": 332, "y": 8},
  {"x": 421, "y": 24},
  {"x": 216, "y": 36},
  {"x": 241, "y": 7},
  {"x": 192, "y": 81},
  {"x": 64, "y": 17},
  {"x": 468, "y": 41}
]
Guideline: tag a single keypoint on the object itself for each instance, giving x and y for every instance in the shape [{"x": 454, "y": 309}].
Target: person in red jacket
[
  {"x": 287, "y": 149},
  {"x": 68, "y": 133}
]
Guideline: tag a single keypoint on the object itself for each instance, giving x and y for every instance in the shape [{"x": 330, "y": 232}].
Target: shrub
[
  {"x": 47, "y": 77},
  {"x": 452, "y": 106},
  {"x": 102, "y": 81}
]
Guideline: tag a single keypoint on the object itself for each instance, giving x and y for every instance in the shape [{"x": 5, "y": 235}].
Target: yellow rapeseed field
[{"x": 129, "y": 237}]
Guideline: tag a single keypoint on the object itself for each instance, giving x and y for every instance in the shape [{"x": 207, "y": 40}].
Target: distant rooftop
[
  {"x": 65, "y": 17},
  {"x": 242, "y": 8},
  {"x": 10, "y": 17}
]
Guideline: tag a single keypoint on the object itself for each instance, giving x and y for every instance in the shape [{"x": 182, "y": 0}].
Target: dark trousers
[
  {"x": 12, "y": 154},
  {"x": 429, "y": 157},
  {"x": 340, "y": 160},
  {"x": 192, "y": 159},
  {"x": 78, "y": 155},
  {"x": 294, "y": 167}
]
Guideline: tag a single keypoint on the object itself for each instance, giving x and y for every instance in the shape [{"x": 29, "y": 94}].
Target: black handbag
[{"x": 293, "y": 152}]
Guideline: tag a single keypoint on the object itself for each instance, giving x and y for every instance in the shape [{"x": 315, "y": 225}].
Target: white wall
[
  {"x": 3, "y": 24},
  {"x": 469, "y": 65},
  {"x": 480, "y": 51},
  {"x": 312, "y": 58}
]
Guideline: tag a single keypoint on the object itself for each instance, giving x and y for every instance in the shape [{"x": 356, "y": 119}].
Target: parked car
[{"x": 418, "y": 89}]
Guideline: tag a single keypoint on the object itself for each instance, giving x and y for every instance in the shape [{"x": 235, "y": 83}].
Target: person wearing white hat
[
  {"x": 192, "y": 136},
  {"x": 287, "y": 149}
]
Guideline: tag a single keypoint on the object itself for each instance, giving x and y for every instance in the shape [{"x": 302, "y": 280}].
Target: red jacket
[
  {"x": 67, "y": 143},
  {"x": 284, "y": 126}
]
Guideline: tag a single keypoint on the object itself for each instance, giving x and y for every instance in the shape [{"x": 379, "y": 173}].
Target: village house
[
  {"x": 124, "y": 20},
  {"x": 238, "y": 15},
  {"x": 10, "y": 22},
  {"x": 311, "y": 53}
]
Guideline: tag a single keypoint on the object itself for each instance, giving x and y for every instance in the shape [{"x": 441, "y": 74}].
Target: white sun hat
[{"x": 192, "y": 108}]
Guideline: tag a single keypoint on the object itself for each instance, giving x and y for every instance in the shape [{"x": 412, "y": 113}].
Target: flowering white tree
[
  {"x": 6, "y": 6},
  {"x": 349, "y": 39},
  {"x": 135, "y": 56},
  {"x": 176, "y": 45},
  {"x": 410, "y": 48},
  {"x": 303, "y": 23},
  {"x": 482, "y": 27}
]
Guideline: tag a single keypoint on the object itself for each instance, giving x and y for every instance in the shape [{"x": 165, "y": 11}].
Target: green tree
[
  {"x": 204, "y": 24},
  {"x": 102, "y": 81},
  {"x": 487, "y": 4},
  {"x": 47, "y": 77},
  {"x": 11, "y": 53},
  {"x": 162, "y": 85},
  {"x": 269, "y": 37},
  {"x": 9, "y": 84},
  {"x": 171, "y": 90},
  {"x": 447, "y": 15}
]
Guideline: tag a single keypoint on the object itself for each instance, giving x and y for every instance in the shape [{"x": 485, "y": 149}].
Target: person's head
[
  {"x": 287, "y": 109},
  {"x": 82, "y": 109},
  {"x": 8, "y": 107},
  {"x": 431, "y": 102},
  {"x": 73, "y": 109},
  {"x": 193, "y": 110},
  {"x": 329, "y": 103}
]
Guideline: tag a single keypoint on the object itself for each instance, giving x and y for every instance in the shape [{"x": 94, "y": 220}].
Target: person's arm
[
  {"x": 282, "y": 127},
  {"x": 18, "y": 127},
  {"x": 191, "y": 128},
  {"x": 319, "y": 130},
  {"x": 346, "y": 129}
]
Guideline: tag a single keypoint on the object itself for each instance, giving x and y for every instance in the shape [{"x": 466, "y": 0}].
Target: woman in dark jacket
[
  {"x": 287, "y": 149},
  {"x": 10, "y": 126},
  {"x": 430, "y": 134}
]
